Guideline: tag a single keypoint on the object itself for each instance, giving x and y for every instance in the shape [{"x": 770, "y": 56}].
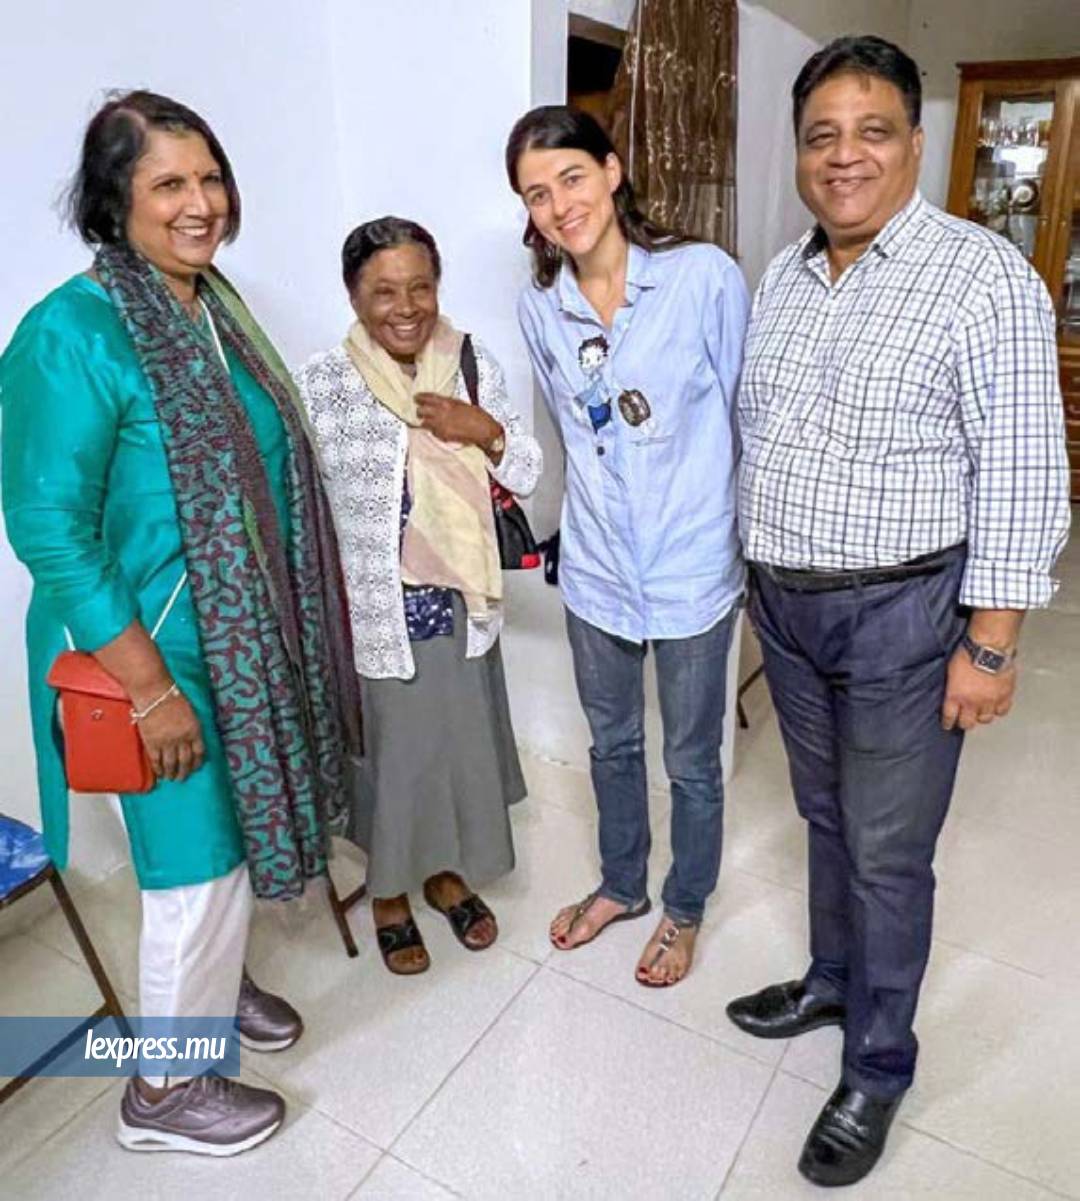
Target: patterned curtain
[{"x": 674, "y": 114}]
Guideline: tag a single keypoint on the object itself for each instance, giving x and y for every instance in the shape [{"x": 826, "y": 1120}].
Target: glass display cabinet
[{"x": 1016, "y": 170}]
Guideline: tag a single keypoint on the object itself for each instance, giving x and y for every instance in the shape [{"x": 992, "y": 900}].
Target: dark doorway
[{"x": 594, "y": 52}]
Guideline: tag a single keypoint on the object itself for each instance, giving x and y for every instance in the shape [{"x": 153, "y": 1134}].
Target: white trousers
[{"x": 191, "y": 948}]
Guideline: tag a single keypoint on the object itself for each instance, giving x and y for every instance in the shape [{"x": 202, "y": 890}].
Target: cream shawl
[{"x": 449, "y": 537}]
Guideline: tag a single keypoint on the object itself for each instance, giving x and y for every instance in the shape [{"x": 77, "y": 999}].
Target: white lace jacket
[{"x": 362, "y": 446}]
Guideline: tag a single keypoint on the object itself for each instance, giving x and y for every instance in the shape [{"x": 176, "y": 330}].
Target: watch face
[{"x": 988, "y": 660}]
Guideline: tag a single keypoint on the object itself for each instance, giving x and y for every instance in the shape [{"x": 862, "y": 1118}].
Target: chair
[
  {"x": 24, "y": 866},
  {"x": 339, "y": 907}
]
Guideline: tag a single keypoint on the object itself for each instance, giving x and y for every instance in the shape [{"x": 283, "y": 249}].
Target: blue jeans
[
  {"x": 692, "y": 678},
  {"x": 858, "y": 679}
]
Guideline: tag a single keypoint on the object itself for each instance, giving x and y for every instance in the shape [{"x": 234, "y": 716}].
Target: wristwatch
[{"x": 988, "y": 658}]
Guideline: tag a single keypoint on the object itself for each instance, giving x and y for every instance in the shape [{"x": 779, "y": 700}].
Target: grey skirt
[{"x": 440, "y": 768}]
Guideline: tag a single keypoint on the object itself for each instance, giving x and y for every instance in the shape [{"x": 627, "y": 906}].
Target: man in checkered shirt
[{"x": 903, "y": 494}]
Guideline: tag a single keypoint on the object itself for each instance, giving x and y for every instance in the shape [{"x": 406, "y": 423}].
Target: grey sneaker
[
  {"x": 210, "y": 1115},
  {"x": 265, "y": 1022}
]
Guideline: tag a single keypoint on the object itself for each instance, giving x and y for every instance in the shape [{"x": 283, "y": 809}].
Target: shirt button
[{"x": 599, "y": 450}]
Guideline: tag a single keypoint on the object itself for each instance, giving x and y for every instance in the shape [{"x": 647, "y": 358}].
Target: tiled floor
[{"x": 525, "y": 1073}]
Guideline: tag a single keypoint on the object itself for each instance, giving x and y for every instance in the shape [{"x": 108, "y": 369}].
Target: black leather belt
[{"x": 798, "y": 580}]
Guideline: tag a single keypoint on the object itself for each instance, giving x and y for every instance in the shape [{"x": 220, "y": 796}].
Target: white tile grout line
[
  {"x": 79, "y": 1113},
  {"x": 290, "y": 1094},
  {"x": 749, "y": 1129},
  {"x": 461, "y": 1059},
  {"x": 46, "y": 1139},
  {"x": 1000, "y": 1167},
  {"x": 360, "y": 1183},
  {"x": 938, "y": 1138},
  {"x": 716, "y": 1041},
  {"x": 408, "y": 1166}
]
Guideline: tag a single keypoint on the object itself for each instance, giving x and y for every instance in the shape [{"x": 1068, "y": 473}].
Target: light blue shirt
[{"x": 649, "y": 538}]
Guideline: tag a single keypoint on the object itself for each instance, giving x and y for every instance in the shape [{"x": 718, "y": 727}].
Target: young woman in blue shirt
[{"x": 635, "y": 335}]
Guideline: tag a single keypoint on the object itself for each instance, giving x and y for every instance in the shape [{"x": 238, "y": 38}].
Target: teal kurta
[{"x": 90, "y": 510}]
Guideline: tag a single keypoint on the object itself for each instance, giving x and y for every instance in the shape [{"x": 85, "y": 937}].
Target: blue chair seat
[{"x": 22, "y": 855}]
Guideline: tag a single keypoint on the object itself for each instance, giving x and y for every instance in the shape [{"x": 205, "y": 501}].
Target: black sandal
[
  {"x": 463, "y": 917},
  {"x": 400, "y": 936}
]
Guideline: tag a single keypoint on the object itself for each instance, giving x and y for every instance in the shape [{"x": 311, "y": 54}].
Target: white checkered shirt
[{"x": 912, "y": 405}]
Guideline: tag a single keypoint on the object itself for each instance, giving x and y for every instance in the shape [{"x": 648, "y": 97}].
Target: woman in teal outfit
[{"x": 153, "y": 448}]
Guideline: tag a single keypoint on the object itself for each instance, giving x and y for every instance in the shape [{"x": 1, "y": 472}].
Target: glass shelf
[{"x": 1007, "y": 193}]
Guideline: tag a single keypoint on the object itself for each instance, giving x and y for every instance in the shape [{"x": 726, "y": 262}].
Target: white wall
[
  {"x": 611, "y": 12},
  {"x": 775, "y": 38},
  {"x": 332, "y": 111}
]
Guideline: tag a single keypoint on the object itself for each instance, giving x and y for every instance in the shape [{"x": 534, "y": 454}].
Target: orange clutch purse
[{"x": 102, "y": 748}]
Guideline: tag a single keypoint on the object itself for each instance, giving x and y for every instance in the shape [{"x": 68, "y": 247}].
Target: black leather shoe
[
  {"x": 784, "y": 1010},
  {"x": 847, "y": 1139}
]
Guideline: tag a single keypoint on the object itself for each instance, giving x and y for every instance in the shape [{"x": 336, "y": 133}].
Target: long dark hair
[
  {"x": 99, "y": 197},
  {"x": 563, "y": 127}
]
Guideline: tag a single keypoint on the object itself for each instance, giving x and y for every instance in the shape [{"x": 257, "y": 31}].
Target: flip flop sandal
[
  {"x": 463, "y": 917},
  {"x": 668, "y": 941},
  {"x": 400, "y": 936},
  {"x": 583, "y": 907}
]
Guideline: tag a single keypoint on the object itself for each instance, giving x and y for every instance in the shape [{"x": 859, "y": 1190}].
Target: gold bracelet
[{"x": 172, "y": 690}]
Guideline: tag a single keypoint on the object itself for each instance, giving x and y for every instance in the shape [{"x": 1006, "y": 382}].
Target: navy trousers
[{"x": 857, "y": 676}]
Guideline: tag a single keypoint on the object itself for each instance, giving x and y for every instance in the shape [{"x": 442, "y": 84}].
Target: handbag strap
[
  {"x": 183, "y": 579},
  {"x": 469, "y": 369},
  {"x": 157, "y": 624}
]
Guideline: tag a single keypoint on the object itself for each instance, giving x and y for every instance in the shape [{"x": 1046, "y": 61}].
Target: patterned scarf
[{"x": 272, "y": 617}]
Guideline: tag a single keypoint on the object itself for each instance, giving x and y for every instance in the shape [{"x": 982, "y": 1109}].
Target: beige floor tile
[
  {"x": 580, "y": 1095},
  {"x": 376, "y": 1046},
  {"x": 913, "y": 1168},
  {"x": 30, "y": 909},
  {"x": 999, "y": 1067},
  {"x": 563, "y": 784},
  {"x": 110, "y": 911},
  {"x": 1008, "y": 896},
  {"x": 37, "y": 1111},
  {"x": 393, "y": 1181},
  {"x": 1067, "y": 571},
  {"x": 311, "y": 1156},
  {"x": 39, "y": 981},
  {"x": 754, "y": 934},
  {"x": 557, "y": 864}
]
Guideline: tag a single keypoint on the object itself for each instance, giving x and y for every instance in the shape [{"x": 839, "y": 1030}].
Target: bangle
[{"x": 171, "y": 691}]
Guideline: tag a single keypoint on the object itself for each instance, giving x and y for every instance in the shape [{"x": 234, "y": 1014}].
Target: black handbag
[{"x": 517, "y": 546}]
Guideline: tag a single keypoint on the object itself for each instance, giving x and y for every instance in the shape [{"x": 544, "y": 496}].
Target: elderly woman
[
  {"x": 157, "y": 474},
  {"x": 408, "y": 456}
]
